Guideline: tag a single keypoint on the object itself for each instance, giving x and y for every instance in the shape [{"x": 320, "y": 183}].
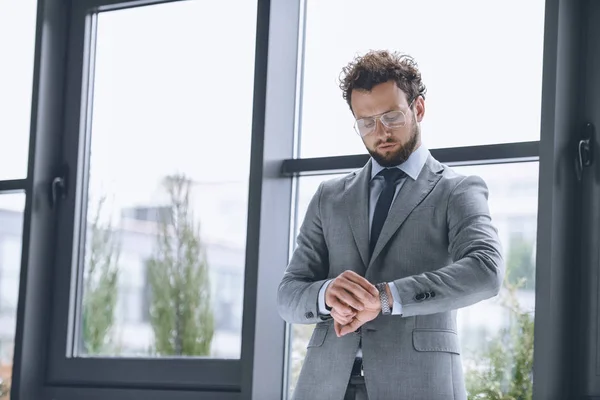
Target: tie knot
[{"x": 392, "y": 175}]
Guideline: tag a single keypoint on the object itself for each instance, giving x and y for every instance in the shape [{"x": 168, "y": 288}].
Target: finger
[
  {"x": 346, "y": 311},
  {"x": 338, "y": 328},
  {"x": 343, "y": 291},
  {"x": 362, "y": 281},
  {"x": 350, "y": 315},
  {"x": 342, "y": 319},
  {"x": 344, "y": 301},
  {"x": 351, "y": 327},
  {"x": 332, "y": 297},
  {"x": 357, "y": 291}
]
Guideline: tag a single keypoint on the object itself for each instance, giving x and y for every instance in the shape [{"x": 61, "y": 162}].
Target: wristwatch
[{"x": 383, "y": 297}]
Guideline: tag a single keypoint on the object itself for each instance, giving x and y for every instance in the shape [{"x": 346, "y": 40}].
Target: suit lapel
[
  {"x": 410, "y": 196},
  {"x": 356, "y": 200}
]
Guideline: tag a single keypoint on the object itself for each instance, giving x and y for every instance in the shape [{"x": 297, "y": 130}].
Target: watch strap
[{"x": 383, "y": 298}]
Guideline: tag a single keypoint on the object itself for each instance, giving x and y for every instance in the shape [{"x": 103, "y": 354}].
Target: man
[{"x": 386, "y": 255}]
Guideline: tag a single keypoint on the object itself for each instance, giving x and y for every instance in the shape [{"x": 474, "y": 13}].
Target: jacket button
[
  {"x": 309, "y": 315},
  {"x": 427, "y": 295},
  {"x": 420, "y": 296},
  {"x": 432, "y": 294}
]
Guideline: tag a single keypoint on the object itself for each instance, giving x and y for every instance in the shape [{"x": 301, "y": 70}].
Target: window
[
  {"x": 487, "y": 325},
  {"x": 17, "y": 44},
  {"x": 300, "y": 334},
  {"x": 467, "y": 104},
  {"x": 105, "y": 98},
  {"x": 497, "y": 334},
  {"x": 11, "y": 229},
  {"x": 157, "y": 110},
  {"x": 483, "y": 78},
  {"x": 163, "y": 147},
  {"x": 126, "y": 92}
]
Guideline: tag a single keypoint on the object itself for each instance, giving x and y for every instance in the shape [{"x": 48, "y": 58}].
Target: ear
[{"x": 419, "y": 108}]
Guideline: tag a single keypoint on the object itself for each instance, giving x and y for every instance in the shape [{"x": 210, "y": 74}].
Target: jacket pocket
[
  {"x": 436, "y": 340},
  {"x": 318, "y": 336}
]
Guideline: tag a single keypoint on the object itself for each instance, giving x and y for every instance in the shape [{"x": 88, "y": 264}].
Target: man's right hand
[{"x": 347, "y": 294}]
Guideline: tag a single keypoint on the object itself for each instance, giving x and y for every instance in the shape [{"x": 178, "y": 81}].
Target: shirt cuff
[
  {"x": 397, "y": 308},
  {"x": 322, "y": 309}
]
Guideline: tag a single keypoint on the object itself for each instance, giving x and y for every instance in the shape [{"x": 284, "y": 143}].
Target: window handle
[
  {"x": 585, "y": 150},
  {"x": 58, "y": 186}
]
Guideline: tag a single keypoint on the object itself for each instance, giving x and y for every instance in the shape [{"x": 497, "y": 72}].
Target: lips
[{"x": 387, "y": 145}]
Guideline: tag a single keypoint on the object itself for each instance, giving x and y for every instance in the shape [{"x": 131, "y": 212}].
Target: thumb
[
  {"x": 351, "y": 327},
  {"x": 338, "y": 328}
]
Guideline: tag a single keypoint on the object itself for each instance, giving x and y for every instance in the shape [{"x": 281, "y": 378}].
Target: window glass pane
[
  {"x": 168, "y": 181},
  {"x": 11, "y": 230},
  {"x": 482, "y": 68},
  {"x": 17, "y": 46},
  {"x": 496, "y": 334},
  {"x": 300, "y": 334}
]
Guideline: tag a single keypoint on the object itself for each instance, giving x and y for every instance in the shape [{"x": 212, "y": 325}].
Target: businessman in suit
[{"x": 386, "y": 255}]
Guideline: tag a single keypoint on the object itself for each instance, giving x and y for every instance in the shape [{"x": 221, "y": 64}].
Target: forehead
[{"x": 383, "y": 97}]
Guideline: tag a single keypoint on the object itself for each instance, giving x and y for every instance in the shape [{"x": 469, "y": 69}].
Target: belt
[{"x": 357, "y": 368}]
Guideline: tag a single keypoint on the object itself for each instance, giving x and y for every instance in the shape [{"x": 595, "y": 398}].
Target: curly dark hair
[{"x": 380, "y": 66}]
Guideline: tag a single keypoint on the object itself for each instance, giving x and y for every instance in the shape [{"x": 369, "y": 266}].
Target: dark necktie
[{"x": 391, "y": 176}]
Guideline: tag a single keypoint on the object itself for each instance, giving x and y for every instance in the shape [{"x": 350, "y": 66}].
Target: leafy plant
[
  {"x": 520, "y": 262},
  {"x": 100, "y": 286},
  {"x": 180, "y": 306},
  {"x": 504, "y": 369}
]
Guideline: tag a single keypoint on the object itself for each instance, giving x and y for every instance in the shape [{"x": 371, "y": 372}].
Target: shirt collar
[{"x": 412, "y": 167}]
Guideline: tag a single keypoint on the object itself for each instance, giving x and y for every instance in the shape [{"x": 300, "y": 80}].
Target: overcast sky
[{"x": 173, "y": 83}]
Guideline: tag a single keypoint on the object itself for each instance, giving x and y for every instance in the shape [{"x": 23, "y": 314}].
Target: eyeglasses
[{"x": 390, "y": 119}]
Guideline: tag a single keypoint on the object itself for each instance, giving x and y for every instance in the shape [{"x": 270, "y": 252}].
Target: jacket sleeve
[
  {"x": 478, "y": 268},
  {"x": 298, "y": 293}
]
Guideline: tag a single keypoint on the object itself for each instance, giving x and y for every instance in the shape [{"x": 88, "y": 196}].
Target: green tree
[
  {"x": 100, "y": 286},
  {"x": 180, "y": 304},
  {"x": 504, "y": 369},
  {"x": 521, "y": 262}
]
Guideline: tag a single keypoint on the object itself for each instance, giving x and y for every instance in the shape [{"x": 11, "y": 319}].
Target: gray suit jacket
[{"x": 439, "y": 247}]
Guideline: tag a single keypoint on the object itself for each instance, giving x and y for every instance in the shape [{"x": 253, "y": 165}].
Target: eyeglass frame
[{"x": 378, "y": 118}]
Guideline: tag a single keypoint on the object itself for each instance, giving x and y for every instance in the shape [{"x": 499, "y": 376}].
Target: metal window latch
[
  {"x": 585, "y": 150},
  {"x": 59, "y": 186}
]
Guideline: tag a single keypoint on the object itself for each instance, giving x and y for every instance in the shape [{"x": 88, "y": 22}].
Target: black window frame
[{"x": 273, "y": 173}]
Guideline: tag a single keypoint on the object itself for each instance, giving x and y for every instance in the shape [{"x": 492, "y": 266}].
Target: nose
[{"x": 385, "y": 130}]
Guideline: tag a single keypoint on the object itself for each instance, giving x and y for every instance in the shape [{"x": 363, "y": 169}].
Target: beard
[{"x": 392, "y": 159}]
